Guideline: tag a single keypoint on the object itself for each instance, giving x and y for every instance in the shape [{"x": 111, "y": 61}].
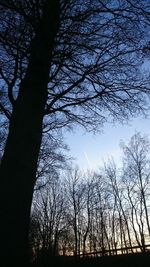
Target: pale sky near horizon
[{"x": 91, "y": 150}]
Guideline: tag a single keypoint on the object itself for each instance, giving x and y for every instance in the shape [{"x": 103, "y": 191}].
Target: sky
[{"x": 90, "y": 151}]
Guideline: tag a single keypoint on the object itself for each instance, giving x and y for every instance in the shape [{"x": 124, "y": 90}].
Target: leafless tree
[
  {"x": 136, "y": 177},
  {"x": 52, "y": 159},
  {"x": 102, "y": 211},
  {"x": 118, "y": 196},
  {"x": 76, "y": 200},
  {"x": 49, "y": 207},
  {"x": 62, "y": 62}
]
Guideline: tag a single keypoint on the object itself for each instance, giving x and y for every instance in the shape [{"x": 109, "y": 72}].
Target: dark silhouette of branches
[
  {"x": 62, "y": 62},
  {"x": 102, "y": 213}
]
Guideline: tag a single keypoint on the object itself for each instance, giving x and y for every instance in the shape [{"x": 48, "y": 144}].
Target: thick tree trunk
[{"x": 19, "y": 163}]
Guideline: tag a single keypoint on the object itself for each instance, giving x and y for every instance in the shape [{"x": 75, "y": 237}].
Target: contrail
[{"x": 86, "y": 156}]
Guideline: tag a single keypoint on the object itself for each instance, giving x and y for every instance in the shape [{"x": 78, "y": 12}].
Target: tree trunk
[{"x": 19, "y": 162}]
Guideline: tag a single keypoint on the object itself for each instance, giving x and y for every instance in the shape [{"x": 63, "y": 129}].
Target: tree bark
[{"x": 19, "y": 162}]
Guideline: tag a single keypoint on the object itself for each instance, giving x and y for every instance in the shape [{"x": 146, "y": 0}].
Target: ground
[{"x": 131, "y": 260}]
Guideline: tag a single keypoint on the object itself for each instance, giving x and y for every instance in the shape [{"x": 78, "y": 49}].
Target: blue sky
[{"x": 90, "y": 150}]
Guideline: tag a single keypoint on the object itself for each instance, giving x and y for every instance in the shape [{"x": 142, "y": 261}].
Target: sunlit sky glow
[{"x": 90, "y": 151}]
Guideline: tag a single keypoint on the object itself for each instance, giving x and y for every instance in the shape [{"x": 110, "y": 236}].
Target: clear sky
[{"x": 90, "y": 150}]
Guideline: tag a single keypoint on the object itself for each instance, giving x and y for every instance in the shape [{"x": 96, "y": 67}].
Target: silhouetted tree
[
  {"x": 62, "y": 62},
  {"x": 118, "y": 196},
  {"x": 75, "y": 190},
  {"x": 136, "y": 177},
  {"x": 52, "y": 159},
  {"x": 89, "y": 195},
  {"x": 98, "y": 212},
  {"x": 47, "y": 212}
]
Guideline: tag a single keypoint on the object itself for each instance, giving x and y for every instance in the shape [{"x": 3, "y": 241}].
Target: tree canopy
[{"x": 94, "y": 70}]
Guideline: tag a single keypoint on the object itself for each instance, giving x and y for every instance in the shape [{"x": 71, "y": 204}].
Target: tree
[
  {"x": 136, "y": 177},
  {"x": 101, "y": 213},
  {"x": 62, "y": 62},
  {"x": 75, "y": 192},
  {"x": 48, "y": 212},
  {"x": 118, "y": 194},
  {"x": 51, "y": 160}
]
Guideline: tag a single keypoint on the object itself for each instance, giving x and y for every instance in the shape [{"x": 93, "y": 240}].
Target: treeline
[{"x": 77, "y": 213}]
